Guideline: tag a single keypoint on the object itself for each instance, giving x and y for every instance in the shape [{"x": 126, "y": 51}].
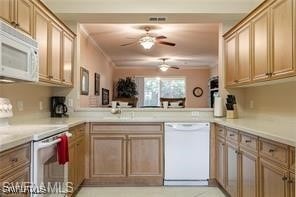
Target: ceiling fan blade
[
  {"x": 160, "y": 37},
  {"x": 174, "y": 67},
  {"x": 167, "y": 43},
  {"x": 130, "y": 43}
]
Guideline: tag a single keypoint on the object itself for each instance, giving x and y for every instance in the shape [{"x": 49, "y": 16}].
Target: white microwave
[{"x": 18, "y": 56}]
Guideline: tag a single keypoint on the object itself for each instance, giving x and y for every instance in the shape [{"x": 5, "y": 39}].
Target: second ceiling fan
[
  {"x": 164, "y": 67},
  {"x": 148, "y": 40}
]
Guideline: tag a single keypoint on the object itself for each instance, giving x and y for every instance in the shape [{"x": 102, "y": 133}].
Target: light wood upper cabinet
[
  {"x": 220, "y": 159},
  {"x": 55, "y": 53},
  {"x": 41, "y": 34},
  {"x": 145, "y": 155},
  {"x": 261, "y": 63},
  {"x": 24, "y": 15},
  {"x": 108, "y": 156},
  {"x": 232, "y": 170},
  {"x": 7, "y": 10},
  {"x": 249, "y": 174},
  {"x": 244, "y": 55},
  {"x": 273, "y": 180},
  {"x": 282, "y": 38},
  {"x": 67, "y": 59},
  {"x": 230, "y": 61}
]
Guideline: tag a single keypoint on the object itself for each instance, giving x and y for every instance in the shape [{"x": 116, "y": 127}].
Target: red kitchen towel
[{"x": 63, "y": 152}]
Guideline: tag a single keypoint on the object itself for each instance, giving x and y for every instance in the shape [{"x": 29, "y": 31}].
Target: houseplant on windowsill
[{"x": 126, "y": 91}]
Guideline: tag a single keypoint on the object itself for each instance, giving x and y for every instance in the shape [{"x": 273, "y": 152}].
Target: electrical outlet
[
  {"x": 70, "y": 102},
  {"x": 40, "y": 105},
  {"x": 20, "y": 105},
  {"x": 251, "y": 104}
]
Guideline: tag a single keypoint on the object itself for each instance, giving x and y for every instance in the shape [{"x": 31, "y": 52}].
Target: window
[{"x": 155, "y": 88}]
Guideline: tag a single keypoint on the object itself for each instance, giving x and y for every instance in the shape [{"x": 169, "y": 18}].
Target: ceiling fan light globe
[
  {"x": 164, "y": 67},
  {"x": 147, "y": 42}
]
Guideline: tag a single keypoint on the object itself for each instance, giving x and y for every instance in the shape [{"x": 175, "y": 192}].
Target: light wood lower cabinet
[
  {"x": 273, "y": 179},
  {"x": 126, "y": 154},
  {"x": 145, "y": 155},
  {"x": 108, "y": 155},
  {"x": 232, "y": 170},
  {"x": 254, "y": 167},
  {"x": 220, "y": 161},
  {"x": 249, "y": 186},
  {"x": 77, "y": 154},
  {"x": 15, "y": 167}
]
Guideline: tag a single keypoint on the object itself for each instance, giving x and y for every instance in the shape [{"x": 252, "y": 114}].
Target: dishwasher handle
[
  {"x": 187, "y": 126},
  {"x": 52, "y": 143}
]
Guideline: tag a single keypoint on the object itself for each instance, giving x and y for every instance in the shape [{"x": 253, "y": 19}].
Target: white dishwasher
[{"x": 187, "y": 155}]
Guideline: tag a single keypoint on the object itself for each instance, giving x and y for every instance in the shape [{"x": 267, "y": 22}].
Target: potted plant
[{"x": 127, "y": 90}]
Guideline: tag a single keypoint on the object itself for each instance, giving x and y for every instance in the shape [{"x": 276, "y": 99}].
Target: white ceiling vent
[{"x": 157, "y": 19}]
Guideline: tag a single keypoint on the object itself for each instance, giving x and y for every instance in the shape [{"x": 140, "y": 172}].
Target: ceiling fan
[
  {"x": 148, "y": 40},
  {"x": 164, "y": 67}
]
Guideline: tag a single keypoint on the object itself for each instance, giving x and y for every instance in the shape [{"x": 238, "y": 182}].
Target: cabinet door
[
  {"x": 273, "y": 180},
  {"x": 67, "y": 59},
  {"x": 292, "y": 185},
  {"x": 244, "y": 55},
  {"x": 72, "y": 165},
  {"x": 145, "y": 155},
  {"x": 282, "y": 38},
  {"x": 80, "y": 150},
  {"x": 6, "y": 10},
  {"x": 220, "y": 168},
  {"x": 230, "y": 60},
  {"x": 41, "y": 34},
  {"x": 249, "y": 174},
  {"x": 261, "y": 45},
  {"x": 232, "y": 163},
  {"x": 108, "y": 155},
  {"x": 24, "y": 15},
  {"x": 55, "y": 53}
]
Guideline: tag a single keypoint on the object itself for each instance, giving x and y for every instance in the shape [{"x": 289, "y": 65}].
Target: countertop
[{"x": 12, "y": 136}]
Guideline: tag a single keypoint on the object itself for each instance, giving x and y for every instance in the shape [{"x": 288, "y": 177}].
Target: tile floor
[{"x": 150, "y": 192}]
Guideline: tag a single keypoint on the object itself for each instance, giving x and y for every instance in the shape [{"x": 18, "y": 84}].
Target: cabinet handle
[
  {"x": 248, "y": 141},
  {"x": 271, "y": 150},
  {"x": 236, "y": 81},
  {"x": 284, "y": 178},
  {"x": 290, "y": 181},
  {"x": 13, "y": 23},
  {"x": 14, "y": 159},
  {"x": 17, "y": 25},
  {"x": 223, "y": 144},
  {"x": 237, "y": 152},
  {"x": 220, "y": 130},
  {"x": 50, "y": 76},
  {"x": 231, "y": 135}
]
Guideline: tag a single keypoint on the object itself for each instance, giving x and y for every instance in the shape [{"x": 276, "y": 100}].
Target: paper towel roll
[{"x": 218, "y": 107}]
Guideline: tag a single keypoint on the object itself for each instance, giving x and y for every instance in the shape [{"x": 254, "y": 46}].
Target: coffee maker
[{"x": 58, "y": 106}]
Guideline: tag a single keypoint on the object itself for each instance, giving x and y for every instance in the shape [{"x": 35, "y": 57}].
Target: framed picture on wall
[
  {"x": 105, "y": 96},
  {"x": 84, "y": 81},
  {"x": 97, "y": 84}
]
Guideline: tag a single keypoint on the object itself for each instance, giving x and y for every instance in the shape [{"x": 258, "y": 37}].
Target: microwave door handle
[{"x": 48, "y": 144}]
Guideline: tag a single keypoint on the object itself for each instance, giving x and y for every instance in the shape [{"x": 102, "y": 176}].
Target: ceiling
[
  {"x": 137, "y": 11},
  {"x": 196, "y": 44}
]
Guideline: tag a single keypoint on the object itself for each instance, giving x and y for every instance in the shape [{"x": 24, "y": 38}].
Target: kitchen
[{"x": 118, "y": 149}]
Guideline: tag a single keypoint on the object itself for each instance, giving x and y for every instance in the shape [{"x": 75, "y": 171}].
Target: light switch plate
[{"x": 20, "y": 105}]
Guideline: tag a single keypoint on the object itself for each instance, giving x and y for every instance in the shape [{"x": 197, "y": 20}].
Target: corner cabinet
[
  {"x": 55, "y": 40},
  {"x": 262, "y": 46},
  {"x": 126, "y": 154}
]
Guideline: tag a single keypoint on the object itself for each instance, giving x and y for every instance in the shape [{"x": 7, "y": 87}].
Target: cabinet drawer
[
  {"x": 249, "y": 141},
  {"x": 123, "y": 128},
  {"x": 274, "y": 151},
  {"x": 14, "y": 158},
  {"x": 232, "y": 135},
  {"x": 292, "y": 159},
  {"x": 220, "y": 131}
]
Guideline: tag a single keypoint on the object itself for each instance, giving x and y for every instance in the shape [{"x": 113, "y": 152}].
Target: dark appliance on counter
[{"x": 58, "y": 107}]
